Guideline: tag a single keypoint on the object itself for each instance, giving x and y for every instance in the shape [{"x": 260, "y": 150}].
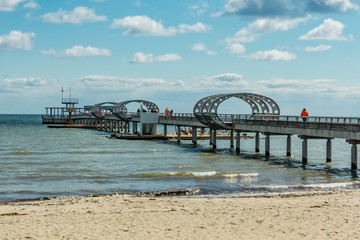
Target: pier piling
[
  {"x": 304, "y": 150},
  {"x": 328, "y": 150},
  {"x": 257, "y": 142},
  {"x": 178, "y": 133},
  {"x": 354, "y": 156},
  {"x": 288, "y": 146},
  {"x": 238, "y": 141},
  {"x": 214, "y": 139},
  {"x": 194, "y": 135},
  {"x": 267, "y": 144}
]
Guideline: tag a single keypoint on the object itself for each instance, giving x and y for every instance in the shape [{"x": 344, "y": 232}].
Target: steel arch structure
[
  {"x": 205, "y": 110},
  {"x": 120, "y": 109},
  {"x": 95, "y": 109}
]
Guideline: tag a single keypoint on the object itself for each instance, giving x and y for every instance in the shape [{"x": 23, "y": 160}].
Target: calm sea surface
[{"x": 36, "y": 161}]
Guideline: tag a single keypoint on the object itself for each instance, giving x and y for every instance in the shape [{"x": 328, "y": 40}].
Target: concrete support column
[
  {"x": 178, "y": 133},
  {"x": 231, "y": 138},
  {"x": 125, "y": 127},
  {"x": 353, "y": 156},
  {"x": 214, "y": 139},
  {"x": 257, "y": 142},
  {"x": 165, "y": 130},
  {"x": 134, "y": 127},
  {"x": 128, "y": 127},
  {"x": 237, "y": 141},
  {"x": 288, "y": 146},
  {"x": 103, "y": 125},
  {"x": 117, "y": 126},
  {"x": 304, "y": 151},
  {"x": 111, "y": 125},
  {"x": 194, "y": 135},
  {"x": 328, "y": 150},
  {"x": 107, "y": 127},
  {"x": 211, "y": 133},
  {"x": 267, "y": 145}
]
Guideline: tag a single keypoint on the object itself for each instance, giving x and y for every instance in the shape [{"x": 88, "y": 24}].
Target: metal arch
[
  {"x": 199, "y": 108},
  {"x": 95, "y": 109},
  {"x": 212, "y": 116},
  {"x": 206, "y": 108},
  {"x": 120, "y": 109},
  {"x": 268, "y": 102}
]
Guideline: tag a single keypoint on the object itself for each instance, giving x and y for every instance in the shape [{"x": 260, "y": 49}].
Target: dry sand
[{"x": 325, "y": 215}]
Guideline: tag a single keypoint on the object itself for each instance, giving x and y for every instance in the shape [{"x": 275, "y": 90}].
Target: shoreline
[
  {"x": 197, "y": 192},
  {"x": 310, "y": 215}
]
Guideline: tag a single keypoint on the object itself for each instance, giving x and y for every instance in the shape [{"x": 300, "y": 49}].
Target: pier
[{"x": 265, "y": 119}]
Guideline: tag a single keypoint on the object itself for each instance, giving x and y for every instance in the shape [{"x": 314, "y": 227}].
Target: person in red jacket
[{"x": 304, "y": 114}]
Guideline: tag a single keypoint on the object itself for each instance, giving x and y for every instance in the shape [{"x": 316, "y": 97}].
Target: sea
[{"x": 37, "y": 162}]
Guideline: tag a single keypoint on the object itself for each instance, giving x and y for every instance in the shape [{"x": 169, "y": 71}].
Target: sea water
[{"x": 36, "y": 162}]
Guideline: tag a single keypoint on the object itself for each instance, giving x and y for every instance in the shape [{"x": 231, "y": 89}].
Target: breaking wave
[{"x": 207, "y": 174}]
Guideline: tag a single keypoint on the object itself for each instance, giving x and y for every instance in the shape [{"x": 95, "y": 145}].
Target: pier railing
[
  {"x": 230, "y": 118},
  {"x": 234, "y": 118}
]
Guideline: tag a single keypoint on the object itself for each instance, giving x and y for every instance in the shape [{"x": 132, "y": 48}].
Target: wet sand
[{"x": 317, "y": 215}]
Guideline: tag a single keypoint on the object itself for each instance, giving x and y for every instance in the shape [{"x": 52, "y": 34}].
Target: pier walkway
[{"x": 265, "y": 119}]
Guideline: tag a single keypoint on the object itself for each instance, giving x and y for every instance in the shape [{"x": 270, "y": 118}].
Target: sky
[{"x": 301, "y": 53}]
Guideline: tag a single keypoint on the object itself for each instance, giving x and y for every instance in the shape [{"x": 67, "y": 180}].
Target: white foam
[
  {"x": 248, "y": 174},
  {"x": 230, "y": 175},
  {"x": 322, "y": 185},
  {"x": 333, "y": 185},
  {"x": 203, "y": 174},
  {"x": 233, "y": 175}
]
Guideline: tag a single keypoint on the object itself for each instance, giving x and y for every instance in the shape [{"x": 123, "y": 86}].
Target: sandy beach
[{"x": 321, "y": 215}]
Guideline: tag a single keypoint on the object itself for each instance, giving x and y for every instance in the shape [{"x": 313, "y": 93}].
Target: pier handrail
[{"x": 296, "y": 118}]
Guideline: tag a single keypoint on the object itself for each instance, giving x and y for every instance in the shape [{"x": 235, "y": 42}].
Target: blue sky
[{"x": 301, "y": 53}]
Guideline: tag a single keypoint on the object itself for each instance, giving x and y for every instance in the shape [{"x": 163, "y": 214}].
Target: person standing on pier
[
  {"x": 167, "y": 111},
  {"x": 304, "y": 114}
]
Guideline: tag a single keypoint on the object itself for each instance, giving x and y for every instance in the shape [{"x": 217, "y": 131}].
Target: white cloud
[
  {"x": 285, "y": 8},
  {"x": 198, "y": 9},
  {"x": 310, "y": 87},
  {"x": 79, "y": 51},
  {"x": 210, "y": 52},
  {"x": 145, "y": 26},
  {"x": 272, "y": 55},
  {"x": 18, "y": 84},
  {"x": 142, "y": 25},
  {"x": 266, "y": 25},
  {"x": 207, "y": 85},
  {"x": 235, "y": 48},
  {"x": 17, "y": 40},
  {"x": 109, "y": 84},
  {"x": 31, "y": 4},
  {"x": 328, "y": 30},
  {"x": 9, "y": 5},
  {"x": 225, "y": 80},
  {"x": 77, "y": 16},
  {"x": 319, "y": 48},
  {"x": 141, "y": 57},
  {"x": 201, "y": 47},
  {"x": 339, "y": 5},
  {"x": 259, "y": 27},
  {"x": 196, "y": 28}
]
